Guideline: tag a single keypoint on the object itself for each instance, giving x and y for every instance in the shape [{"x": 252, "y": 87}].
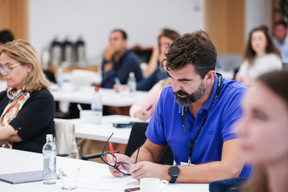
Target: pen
[
  {"x": 137, "y": 155},
  {"x": 149, "y": 107},
  {"x": 112, "y": 152}
]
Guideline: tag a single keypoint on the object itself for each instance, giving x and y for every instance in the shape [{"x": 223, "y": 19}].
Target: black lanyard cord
[{"x": 204, "y": 121}]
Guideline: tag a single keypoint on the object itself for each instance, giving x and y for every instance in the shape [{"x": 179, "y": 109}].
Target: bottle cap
[{"x": 49, "y": 136}]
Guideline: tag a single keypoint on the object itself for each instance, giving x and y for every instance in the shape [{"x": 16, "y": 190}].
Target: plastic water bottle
[
  {"x": 49, "y": 163},
  {"x": 96, "y": 107},
  {"x": 132, "y": 82}
]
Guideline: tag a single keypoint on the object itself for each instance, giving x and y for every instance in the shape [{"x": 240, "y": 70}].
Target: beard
[{"x": 190, "y": 98}]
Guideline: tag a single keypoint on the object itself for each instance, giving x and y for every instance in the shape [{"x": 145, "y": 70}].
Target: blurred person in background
[
  {"x": 144, "y": 108},
  {"x": 118, "y": 61},
  {"x": 263, "y": 132},
  {"x": 281, "y": 40},
  {"x": 26, "y": 106},
  {"x": 260, "y": 56},
  {"x": 5, "y": 36},
  {"x": 153, "y": 73}
]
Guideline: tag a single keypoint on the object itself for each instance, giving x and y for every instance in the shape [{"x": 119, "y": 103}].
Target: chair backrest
[
  {"x": 227, "y": 185},
  {"x": 137, "y": 138},
  {"x": 82, "y": 77},
  {"x": 65, "y": 139},
  {"x": 229, "y": 61}
]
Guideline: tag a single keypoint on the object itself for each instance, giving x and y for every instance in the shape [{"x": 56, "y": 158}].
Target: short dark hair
[
  {"x": 124, "y": 34},
  {"x": 196, "y": 49},
  {"x": 6, "y": 36},
  {"x": 281, "y": 22}
]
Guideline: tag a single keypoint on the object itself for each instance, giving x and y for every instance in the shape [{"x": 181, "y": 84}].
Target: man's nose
[{"x": 176, "y": 86}]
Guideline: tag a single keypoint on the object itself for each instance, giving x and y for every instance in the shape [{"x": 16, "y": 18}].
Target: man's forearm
[
  {"x": 206, "y": 173},
  {"x": 144, "y": 155},
  {"x": 107, "y": 67}
]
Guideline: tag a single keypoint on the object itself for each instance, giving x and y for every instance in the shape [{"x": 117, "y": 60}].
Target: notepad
[{"x": 22, "y": 177}]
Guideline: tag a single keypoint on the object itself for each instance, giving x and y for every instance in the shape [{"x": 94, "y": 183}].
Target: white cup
[
  {"x": 69, "y": 177},
  {"x": 152, "y": 184},
  {"x": 86, "y": 116}
]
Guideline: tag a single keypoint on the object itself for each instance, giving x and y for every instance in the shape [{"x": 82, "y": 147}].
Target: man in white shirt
[{"x": 281, "y": 40}]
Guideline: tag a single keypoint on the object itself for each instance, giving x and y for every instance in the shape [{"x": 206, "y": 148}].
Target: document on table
[{"x": 108, "y": 183}]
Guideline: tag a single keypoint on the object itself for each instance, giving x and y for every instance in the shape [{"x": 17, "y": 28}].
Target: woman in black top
[{"x": 26, "y": 106}]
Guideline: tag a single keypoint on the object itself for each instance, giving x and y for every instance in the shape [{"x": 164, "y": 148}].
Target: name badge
[{"x": 185, "y": 163}]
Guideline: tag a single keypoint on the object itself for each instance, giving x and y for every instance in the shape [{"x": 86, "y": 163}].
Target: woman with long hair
[
  {"x": 263, "y": 132},
  {"x": 260, "y": 56}
]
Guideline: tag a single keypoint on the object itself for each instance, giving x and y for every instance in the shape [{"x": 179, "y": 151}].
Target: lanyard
[{"x": 191, "y": 148}]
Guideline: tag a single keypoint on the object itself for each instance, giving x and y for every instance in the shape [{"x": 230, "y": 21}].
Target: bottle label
[{"x": 50, "y": 164}]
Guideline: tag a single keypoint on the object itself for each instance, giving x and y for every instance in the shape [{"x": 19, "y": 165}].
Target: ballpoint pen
[
  {"x": 149, "y": 107},
  {"x": 137, "y": 155}
]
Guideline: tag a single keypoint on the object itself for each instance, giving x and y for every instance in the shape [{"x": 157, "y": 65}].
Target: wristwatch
[
  {"x": 174, "y": 172},
  {"x": 107, "y": 61}
]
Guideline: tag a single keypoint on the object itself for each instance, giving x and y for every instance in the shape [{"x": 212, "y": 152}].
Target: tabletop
[
  {"x": 93, "y": 176},
  {"x": 83, "y": 94},
  {"x": 102, "y": 131}
]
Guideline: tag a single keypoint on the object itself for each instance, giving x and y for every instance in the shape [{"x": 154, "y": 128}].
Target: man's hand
[
  {"x": 120, "y": 158},
  {"x": 119, "y": 88},
  {"x": 109, "y": 52},
  {"x": 108, "y": 55},
  {"x": 148, "y": 169}
]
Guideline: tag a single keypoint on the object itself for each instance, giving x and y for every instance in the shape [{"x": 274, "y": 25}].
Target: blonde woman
[
  {"x": 263, "y": 132},
  {"x": 26, "y": 107}
]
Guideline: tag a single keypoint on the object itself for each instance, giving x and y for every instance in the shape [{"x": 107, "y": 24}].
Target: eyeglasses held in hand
[{"x": 119, "y": 166}]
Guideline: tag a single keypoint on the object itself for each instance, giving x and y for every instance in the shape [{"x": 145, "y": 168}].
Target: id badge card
[{"x": 186, "y": 163}]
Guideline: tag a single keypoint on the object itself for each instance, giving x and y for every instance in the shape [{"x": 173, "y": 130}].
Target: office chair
[
  {"x": 227, "y": 185},
  {"x": 136, "y": 139}
]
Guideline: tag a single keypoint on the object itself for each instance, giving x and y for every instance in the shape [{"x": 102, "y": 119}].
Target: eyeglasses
[
  {"x": 7, "y": 68},
  {"x": 119, "y": 166}
]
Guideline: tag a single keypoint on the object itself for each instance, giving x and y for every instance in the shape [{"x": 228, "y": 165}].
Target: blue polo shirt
[{"x": 165, "y": 126}]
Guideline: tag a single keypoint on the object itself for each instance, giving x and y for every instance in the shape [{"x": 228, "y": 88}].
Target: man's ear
[{"x": 210, "y": 77}]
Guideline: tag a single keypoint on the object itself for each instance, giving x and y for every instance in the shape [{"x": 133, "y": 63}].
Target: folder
[{"x": 22, "y": 177}]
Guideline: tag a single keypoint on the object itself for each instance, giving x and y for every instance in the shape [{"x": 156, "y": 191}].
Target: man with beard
[
  {"x": 118, "y": 61},
  {"x": 194, "y": 117}
]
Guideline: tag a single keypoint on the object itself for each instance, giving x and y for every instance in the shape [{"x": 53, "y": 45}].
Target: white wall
[
  {"x": 258, "y": 12},
  {"x": 94, "y": 19}
]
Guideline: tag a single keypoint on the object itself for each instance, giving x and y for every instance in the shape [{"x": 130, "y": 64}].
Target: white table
[
  {"x": 102, "y": 131},
  {"x": 84, "y": 94},
  {"x": 93, "y": 176}
]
